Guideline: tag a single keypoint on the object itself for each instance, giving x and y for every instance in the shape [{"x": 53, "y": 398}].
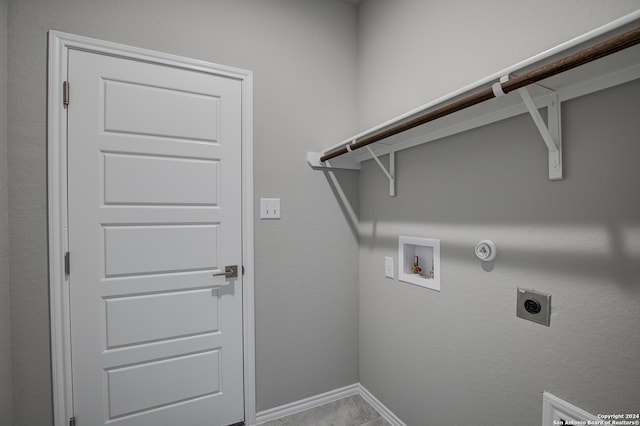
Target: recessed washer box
[{"x": 426, "y": 253}]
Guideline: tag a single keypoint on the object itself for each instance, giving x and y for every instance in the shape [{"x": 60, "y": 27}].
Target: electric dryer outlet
[{"x": 534, "y": 306}]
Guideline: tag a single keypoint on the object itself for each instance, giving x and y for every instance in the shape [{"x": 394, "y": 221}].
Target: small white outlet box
[
  {"x": 388, "y": 267},
  {"x": 269, "y": 208}
]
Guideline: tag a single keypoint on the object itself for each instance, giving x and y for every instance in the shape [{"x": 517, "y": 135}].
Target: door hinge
[
  {"x": 72, "y": 421},
  {"x": 65, "y": 93},
  {"x": 67, "y": 263},
  {"x": 242, "y": 269}
]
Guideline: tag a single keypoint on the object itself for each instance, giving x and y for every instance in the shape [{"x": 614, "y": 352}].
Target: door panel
[
  {"x": 158, "y": 383},
  {"x": 199, "y": 306},
  {"x": 154, "y": 192},
  {"x": 160, "y": 248},
  {"x": 153, "y": 180},
  {"x": 160, "y": 111}
]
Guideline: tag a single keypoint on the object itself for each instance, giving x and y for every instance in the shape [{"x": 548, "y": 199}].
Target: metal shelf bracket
[
  {"x": 550, "y": 132},
  {"x": 391, "y": 173},
  {"x": 544, "y": 67}
]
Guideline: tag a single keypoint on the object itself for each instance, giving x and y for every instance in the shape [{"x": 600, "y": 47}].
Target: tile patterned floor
[{"x": 351, "y": 411}]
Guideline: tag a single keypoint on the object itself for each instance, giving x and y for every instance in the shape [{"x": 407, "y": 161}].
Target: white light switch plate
[
  {"x": 269, "y": 208},
  {"x": 388, "y": 266}
]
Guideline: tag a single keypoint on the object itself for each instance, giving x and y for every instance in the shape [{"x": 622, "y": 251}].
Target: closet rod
[{"x": 612, "y": 45}]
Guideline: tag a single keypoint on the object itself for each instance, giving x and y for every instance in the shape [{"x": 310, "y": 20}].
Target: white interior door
[{"x": 154, "y": 205}]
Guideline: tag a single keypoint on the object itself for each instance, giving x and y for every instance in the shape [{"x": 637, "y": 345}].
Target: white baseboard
[
  {"x": 326, "y": 398},
  {"x": 386, "y": 414},
  {"x": 553, "y": 408},
  {"x": 307, "y": 403}
]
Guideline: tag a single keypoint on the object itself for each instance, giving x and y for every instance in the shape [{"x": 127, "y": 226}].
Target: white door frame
[{"x": 59, "y": 46}]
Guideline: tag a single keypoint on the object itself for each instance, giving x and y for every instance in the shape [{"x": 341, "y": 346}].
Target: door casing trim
[{"x": 59, "y": 45}]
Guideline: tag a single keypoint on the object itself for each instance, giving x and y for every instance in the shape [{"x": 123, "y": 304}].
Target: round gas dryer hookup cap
[{"x": 486, "y": 250}]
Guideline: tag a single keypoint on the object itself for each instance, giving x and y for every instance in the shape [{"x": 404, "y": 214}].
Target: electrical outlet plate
[
  {"x": 536, "y": 299},
  {"x": 388, "y": 267}
]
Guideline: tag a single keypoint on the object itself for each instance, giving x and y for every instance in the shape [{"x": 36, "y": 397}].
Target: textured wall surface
[
  {"x": 461, "y": 356},
  {"x": 414, "y": 51},
  {"x": 303, "y": 57},
  {"x": 424, "y": 354},
  {"x": 5, "y": 329}
]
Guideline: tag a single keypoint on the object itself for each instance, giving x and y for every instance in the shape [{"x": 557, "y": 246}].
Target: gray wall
[
  {"x": 460, "y": 356},
  {"x": 414, "y": 51},
  {"x": 5, "y": 330},
  {"x": 304, "y": 61},
  {"x": 425, "y": 354}
]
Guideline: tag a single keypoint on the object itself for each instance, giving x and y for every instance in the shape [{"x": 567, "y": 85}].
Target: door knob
[{"x": 230, "y": 271}]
